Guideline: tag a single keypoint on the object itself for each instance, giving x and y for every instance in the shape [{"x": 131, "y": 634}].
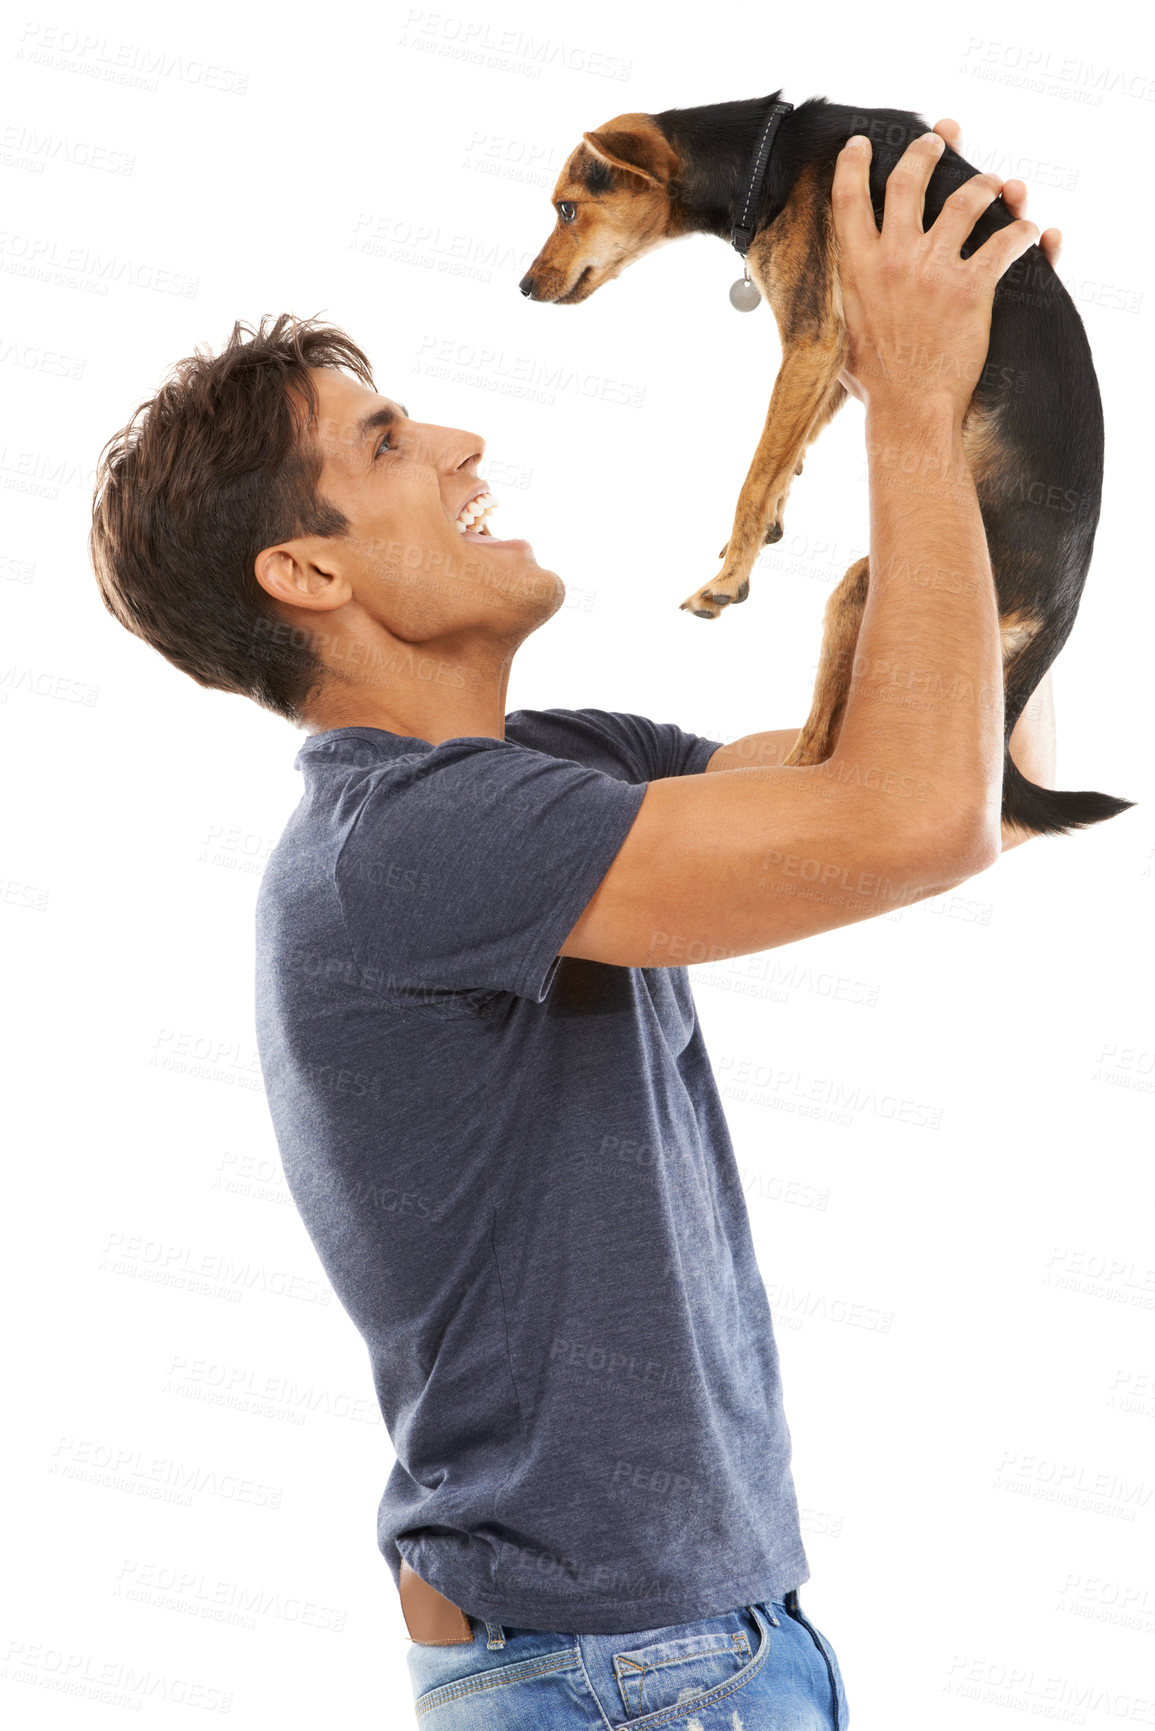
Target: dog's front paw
[{"x": 708, "y": 601}]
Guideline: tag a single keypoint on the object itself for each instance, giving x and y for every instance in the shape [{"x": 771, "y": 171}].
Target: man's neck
[{"x": 418, "y": 705}]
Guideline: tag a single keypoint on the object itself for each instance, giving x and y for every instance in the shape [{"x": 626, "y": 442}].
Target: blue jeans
[{"x": 761, "y": 1668}]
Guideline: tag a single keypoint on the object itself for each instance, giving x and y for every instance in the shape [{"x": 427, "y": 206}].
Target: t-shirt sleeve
[
  {"x": 649, "y": 750},
  {"x": 663, "y": 748},
  {"x": 467, "y": 871}
]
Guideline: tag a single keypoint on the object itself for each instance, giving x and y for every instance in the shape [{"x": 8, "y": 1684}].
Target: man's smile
[{"x": 472, "y": 519}]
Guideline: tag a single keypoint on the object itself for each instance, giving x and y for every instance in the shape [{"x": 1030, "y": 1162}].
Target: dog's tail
[{"x": 1045, "y": 811}]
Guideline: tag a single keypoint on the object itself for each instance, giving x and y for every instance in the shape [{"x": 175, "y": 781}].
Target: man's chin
[
  {"x": 539, "y": 590},
  {"x": 510, "y": 571},
  {"x": 557, "y": 593}
]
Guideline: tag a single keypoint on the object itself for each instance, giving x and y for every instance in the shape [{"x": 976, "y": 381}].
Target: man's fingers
[
  {"x": 951, "y": 132},
  {"x": 1051, "y": 241},
  {"x": 906, "y": 187},
  {"x": 854, "y": 222},
  {"x": 1000, "y": 251},
  {"x": 1014, "y": 196},
  {"x": 962, "y": 210}
]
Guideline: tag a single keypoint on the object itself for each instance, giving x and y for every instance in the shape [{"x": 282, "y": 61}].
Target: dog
[{"x": 1033, "y": 432}]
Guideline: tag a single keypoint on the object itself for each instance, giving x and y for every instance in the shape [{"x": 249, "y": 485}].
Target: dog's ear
[{"x": 638, "y": 148}]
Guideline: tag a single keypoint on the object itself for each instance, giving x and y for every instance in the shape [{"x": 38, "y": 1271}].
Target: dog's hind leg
[
  {"x": 793, "y": 262},
  {"x": 843, "y": 614},
  {"x": 841, "y": 620}
]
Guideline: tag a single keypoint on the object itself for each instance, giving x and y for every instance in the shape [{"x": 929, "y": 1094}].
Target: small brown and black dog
[{"x": 1033, "y": 433}]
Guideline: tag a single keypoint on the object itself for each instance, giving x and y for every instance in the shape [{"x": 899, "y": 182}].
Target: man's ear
[
  {"x": 304, "y": 573},
  {"x": 634, "y": 144}
]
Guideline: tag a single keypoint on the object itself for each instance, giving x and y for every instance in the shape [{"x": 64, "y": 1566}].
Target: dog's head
[{"x": 614, "y": 201}]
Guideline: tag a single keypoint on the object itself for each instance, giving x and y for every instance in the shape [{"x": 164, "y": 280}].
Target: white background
[{"x": 955, "y": 1239}]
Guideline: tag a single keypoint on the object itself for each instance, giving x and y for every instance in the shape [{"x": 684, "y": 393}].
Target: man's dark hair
[{"x": 215, "y": 467}]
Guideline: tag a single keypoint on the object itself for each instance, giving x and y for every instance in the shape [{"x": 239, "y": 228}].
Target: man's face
[{"x": 402, "y": 483}]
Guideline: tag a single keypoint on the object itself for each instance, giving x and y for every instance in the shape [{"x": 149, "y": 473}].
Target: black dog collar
[{"x": 745, "y": 223}]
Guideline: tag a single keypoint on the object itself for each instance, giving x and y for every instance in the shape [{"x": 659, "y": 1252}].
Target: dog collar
[
  {"x": 745, "y": 224},
  {"x": 745, "y": 294}
]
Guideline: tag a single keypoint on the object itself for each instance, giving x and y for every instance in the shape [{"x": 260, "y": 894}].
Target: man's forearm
[{"x": 926, "y": 697}]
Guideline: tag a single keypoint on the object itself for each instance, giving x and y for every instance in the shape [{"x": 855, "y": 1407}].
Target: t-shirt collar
[{"x": 334, "y": 742}]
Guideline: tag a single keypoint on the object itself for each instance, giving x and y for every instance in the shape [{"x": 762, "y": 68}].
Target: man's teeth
[{"x": 475, "y": 513}]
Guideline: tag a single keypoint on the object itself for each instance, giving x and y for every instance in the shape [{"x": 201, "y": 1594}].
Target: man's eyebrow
[{"x": 379, "y": 418}]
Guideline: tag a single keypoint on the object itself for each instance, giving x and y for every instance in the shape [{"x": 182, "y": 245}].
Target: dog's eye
[{"x": 567, "y": 210}]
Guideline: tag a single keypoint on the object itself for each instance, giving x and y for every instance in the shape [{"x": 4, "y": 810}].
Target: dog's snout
[{"x": 526, "y": 285}]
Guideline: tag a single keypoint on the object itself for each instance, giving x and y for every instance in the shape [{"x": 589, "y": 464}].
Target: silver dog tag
[{"x": 745, "y": 294}]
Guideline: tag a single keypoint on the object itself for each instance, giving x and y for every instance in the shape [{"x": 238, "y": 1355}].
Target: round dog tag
[{"x": 745, "y": 295}]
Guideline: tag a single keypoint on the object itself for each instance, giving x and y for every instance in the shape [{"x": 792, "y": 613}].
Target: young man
[{"x": 492, "y": 1098}]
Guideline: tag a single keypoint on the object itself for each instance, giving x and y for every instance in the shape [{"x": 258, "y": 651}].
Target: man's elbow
[
  {"x": 980, "y": 846},
  {"x": 956, "y": 845}
]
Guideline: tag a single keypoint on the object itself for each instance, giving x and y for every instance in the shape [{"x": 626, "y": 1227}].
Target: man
[{"x": 493, "y": 1101}]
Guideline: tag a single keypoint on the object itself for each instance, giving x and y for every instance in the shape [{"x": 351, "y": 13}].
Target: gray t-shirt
[{"x": 517, "y": 1173}]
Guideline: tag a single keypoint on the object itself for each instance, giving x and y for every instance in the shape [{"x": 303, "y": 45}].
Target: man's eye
[
  {"x": 387, "y": 441},
  {"x": 567, "y": 210}
]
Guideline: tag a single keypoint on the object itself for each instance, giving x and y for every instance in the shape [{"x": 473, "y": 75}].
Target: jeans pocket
[
  {"x": 670, "y": 1672},
  {"x": 506, "y": 1694}
]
